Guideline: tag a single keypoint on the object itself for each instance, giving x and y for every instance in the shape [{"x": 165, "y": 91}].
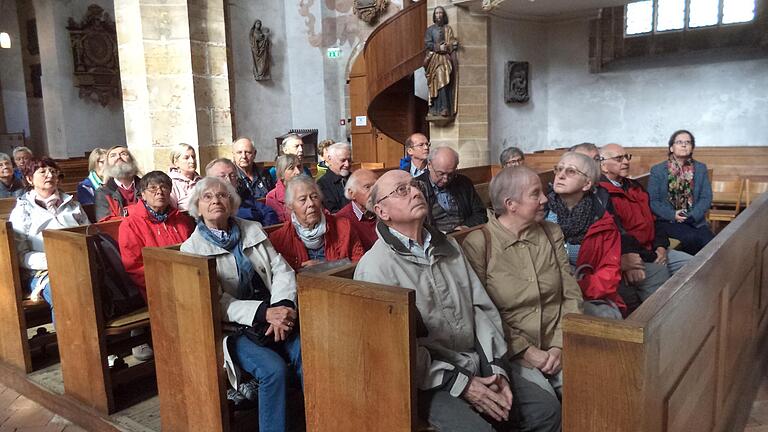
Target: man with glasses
[
  {"x": 250, "y": 207},
  {"x": 464, "y": 382},
  {"x": 417, "y": 150},
  {"x": 451, "y": 197},
  {"x": 646, "y": 263},
  {"x": 120, "y": 190},
  {"x": 511, "y": 156}
]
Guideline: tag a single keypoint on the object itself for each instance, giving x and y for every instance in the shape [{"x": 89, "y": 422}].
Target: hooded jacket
[
  {"x": 108, "y": 203},
  {"x": 181, "y": 188}
]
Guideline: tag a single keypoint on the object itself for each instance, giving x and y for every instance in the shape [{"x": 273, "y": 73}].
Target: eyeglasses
[
  {"x": 45, "y": 171},
  {"x": 155, "y": 188},
  {"x": 122, "y": 154},
  {"x": 231, "y": 177},
  {"x": 400, "y": 191},
  {"x": 685, "y": 143},
  {"x": 421, "y": 145},
  {"x": 514, "y": 162},
  {"x": 209, "y": 196},
  {"x": 618, "y": 158},
  {"x": 569, "y": 171},
  {"x": 448, "y": 175}
]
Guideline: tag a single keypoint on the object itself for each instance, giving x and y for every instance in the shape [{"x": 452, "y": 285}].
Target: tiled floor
[
  {"x": 758, "y": 418},
  {"x": 19, "y": 414}
]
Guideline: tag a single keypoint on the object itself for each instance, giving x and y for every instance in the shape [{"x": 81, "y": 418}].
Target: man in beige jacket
[{"x": 463, "y": 380}]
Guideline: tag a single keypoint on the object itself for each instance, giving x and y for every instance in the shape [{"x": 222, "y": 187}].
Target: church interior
[{"x": 538, "y": 75}]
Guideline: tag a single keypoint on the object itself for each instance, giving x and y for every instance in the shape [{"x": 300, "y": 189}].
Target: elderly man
[
  {"x": 21, "y": 155},
  {"x": 10, "y": 186},
  {"x": 511, "y": 156},
  {"x": 417, "y": 150},
  {"x": 588, "y": 149},
  {"x": 250, "y": 208},
  {"x": 291, "y": 144},
  {"x": 453, "y": 202},
  {"x": 252, "y": 175},
  {"x": 332, "y": 184},
  {"x": 116, "y": 194},
  {"x": 646, "y": 262},
  {"x": 357, "y": 190},
  {"x": 462, "y": 377}
]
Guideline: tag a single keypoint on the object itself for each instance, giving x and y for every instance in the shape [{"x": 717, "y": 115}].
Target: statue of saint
[
  {"x": 260, "y": 48},
  {"x": 439, "y": 65}
]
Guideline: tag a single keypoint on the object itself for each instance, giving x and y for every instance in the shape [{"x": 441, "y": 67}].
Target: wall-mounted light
[{"x": 5, "y": 40}]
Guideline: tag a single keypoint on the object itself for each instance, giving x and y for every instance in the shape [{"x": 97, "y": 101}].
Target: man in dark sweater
[
  {"x": 451, "y": 197},
  {"x": 332, "y": 184}
]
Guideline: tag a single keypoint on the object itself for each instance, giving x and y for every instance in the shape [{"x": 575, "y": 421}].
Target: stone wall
[{"x": 13, "y": 97}]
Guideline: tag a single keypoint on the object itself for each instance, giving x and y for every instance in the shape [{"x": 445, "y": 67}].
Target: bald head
[
  {"x": 359, "y": 185},
  {"x": 392, "y": 208},
  {"x": 614, "y": 163},
  {"x": 443, "y": 162},
  {"x": 243, "y": 153}
]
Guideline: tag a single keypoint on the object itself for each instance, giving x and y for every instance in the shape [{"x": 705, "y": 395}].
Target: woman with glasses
[
  {"x": 511, "y": 156},
  {"x": 288, "y": 166},
  {"x": 86, "y": 189},
  {"x": 41, "y": 208},
  {"x": 592, "y": 239},
  {"x": 681, "y": 194},
  {"x": 311, "y": 235},
  {"x": 258, "y": 293}
]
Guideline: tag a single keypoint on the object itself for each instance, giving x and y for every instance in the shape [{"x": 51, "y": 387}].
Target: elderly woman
[
  {"x": 511, "y": 156},
  {"x": 258, "y": 292},
  {"x": 313, "y": 236},
  {"x": 681, "y": 194},
  {"x": 288, "y": 166},
  {"x": 521, "y": 260},
  {"x": 21, "y": 156},
  {"x": 86, "y": 189},
  {"x": 592, "y": 239},
  {"x": 183, "y": 173},
  {"x": 10, "y": 186},
  {"x": 43, "y": 207}
]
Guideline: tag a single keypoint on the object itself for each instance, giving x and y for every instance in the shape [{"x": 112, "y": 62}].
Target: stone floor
[{"x": 19, "y": 414}]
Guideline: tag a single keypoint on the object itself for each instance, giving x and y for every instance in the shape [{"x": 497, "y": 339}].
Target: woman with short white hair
[
  {"x": 183, "y": 173},
  {"x": 257, "y": 293}
]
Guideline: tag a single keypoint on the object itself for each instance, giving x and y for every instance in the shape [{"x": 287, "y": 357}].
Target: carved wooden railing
[{"x": 392, "y": 53}]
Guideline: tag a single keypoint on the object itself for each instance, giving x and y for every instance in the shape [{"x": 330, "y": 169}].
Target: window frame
[{"x": 686, "y": 20}]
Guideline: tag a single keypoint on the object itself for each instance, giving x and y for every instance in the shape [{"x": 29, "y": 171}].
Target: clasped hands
[
  {"x": 490, "y": 396},
  {"x": 282, "y": 321}
]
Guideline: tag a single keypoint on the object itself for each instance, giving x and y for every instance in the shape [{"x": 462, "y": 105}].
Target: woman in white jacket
[
  {"x": 43, "y": 207},
  {"x": 258, "y": 293}
]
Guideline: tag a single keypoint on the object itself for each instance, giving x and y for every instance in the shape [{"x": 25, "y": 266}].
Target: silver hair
[
  {"x": 509, "y": 153},
  {"x": 178, "y": 150},
  {"x": 288, "y": 138},
  {"x": 336, "y": 147},
  {"x": 509, "y": 184},
  {"x": 435, "y": 151},
  {"x": 586, "y": 146},
  {"x": 351, "y": 184},
  {"x": 302, "y": 179},
  {"x": 207, "y": 183},
  {"x": 224, "y": 161},
  {"x": 284, "y": 162},
  {"x": 129, "y": 169},
  {"x": 20, "y": 149},
  {"x": 585, "y": 164},
  {"x": 5, "y": 157}
]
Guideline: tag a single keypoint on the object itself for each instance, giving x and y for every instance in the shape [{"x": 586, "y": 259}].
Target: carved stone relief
[
  {"x": 261, "y": 48},
  {"x": 94, "y": 50},
  {"x": 370, "y": 10},
  {"x": 516, "y": 83}
]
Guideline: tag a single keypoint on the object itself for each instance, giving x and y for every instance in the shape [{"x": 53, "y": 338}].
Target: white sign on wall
[{"x": 361, "y": 120}]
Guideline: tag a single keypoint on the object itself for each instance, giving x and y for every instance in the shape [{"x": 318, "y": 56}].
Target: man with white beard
[
  {"x": 332, "y": 184},
  {"x": 120, "y": 190}
]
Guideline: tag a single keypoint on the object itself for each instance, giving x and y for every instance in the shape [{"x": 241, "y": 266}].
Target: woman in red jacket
[
  {"x": 592, "y": 239},
  {"x": 312, "y": 236},
  {"x": 153, "y": 222}
]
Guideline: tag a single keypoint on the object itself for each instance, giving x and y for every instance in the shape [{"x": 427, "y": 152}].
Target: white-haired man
[
  {"x": 461, "y": 372},
  {"x": 357, "y": 191},
  {"x": 120, "y": 191},
  {"x": 339, "y": 161},
  {"x": 291, "y": 144},
  {"x": 252, "y": 175}
]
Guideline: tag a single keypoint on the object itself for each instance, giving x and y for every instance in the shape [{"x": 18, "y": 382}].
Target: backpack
[{"x": 119, "y": 296}]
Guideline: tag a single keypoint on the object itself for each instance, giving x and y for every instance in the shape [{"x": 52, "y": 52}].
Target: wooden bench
[
  {"x": 6, "y": 207},
  {"x": 86, "y": 337},
  {"x": 18, "y": 314},
  {"x": 690, "y": 357}
]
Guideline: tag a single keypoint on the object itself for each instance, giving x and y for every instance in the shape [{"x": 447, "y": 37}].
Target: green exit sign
[{"x": 333, "y": 53}]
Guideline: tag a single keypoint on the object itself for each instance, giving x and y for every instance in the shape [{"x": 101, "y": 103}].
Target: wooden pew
[
  {"x": 6, "y": 206},
  {"x": 16, "y": 313},
  {"x": 689, "y": 358},
  {"x": 86, "y": 338}
]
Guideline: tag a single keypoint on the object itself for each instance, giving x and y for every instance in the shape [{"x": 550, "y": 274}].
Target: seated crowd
[{"x": 490, "y": 309}]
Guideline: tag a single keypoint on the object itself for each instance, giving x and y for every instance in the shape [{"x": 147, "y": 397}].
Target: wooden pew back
[
  {"x": 690, "y": 357},
  {"x": 14, "y": 348},
  {"x": 6, "y": 206}
]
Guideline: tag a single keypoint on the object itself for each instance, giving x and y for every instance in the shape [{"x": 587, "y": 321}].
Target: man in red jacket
[{"x": 357, "y": 190}]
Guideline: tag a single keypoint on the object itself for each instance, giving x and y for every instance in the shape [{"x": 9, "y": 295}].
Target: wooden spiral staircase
[{"x": 381, "y": 87}]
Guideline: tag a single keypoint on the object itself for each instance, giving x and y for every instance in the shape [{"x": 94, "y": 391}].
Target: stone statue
[
  {"x": 369, "y": 10},
  {"x": 516, "y": 86},
  {"x": 260, "y": 48},
  {"x": 440, "y": 64}
]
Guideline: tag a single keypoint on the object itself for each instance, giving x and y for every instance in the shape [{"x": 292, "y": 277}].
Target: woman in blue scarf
[
  {"x": 86, "y": 189},
  {"x": 258, "y": 293}
]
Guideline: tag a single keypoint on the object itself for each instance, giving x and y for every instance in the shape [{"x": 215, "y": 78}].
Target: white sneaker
[
  {"x": 142, "y": 352},
  {"x": 111, "y": 359}
]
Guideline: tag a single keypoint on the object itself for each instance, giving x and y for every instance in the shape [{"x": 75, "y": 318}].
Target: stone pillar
[
  {"x": 173, "y": 66},
  {"x": 468, "y": 134}
]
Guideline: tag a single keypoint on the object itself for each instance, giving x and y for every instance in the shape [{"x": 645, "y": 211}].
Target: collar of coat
[{"x": 440, "y": 244}]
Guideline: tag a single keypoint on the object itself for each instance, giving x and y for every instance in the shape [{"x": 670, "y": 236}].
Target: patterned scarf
[
  {"x": 246, "y": 274},
  {"x": 680, "y": 183},
  {"x": 154, "y": 216},
  {"x": 576, "y": 221},
  {"x": 313, "y": 238},
  {"x": 96, "y": 181}
]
